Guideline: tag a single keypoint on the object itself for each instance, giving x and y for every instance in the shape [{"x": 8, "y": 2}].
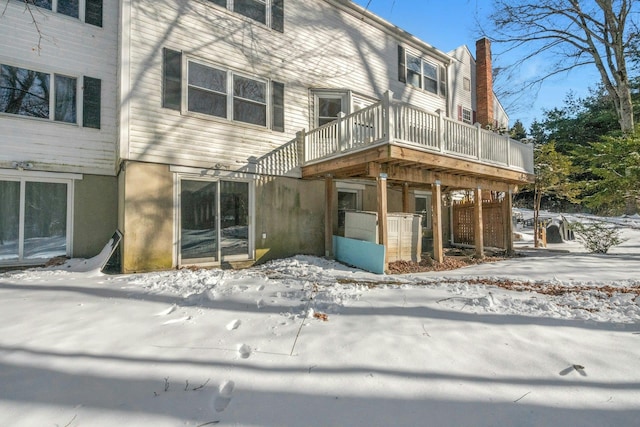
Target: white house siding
[
  {"x": 322, "y": 47},
  {"x": 73, "y": 48},
  {"x": 463, "y": 65},
  {"x": 499, "y": 114}
]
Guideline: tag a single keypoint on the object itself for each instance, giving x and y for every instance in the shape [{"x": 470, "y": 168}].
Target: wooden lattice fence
[{"x": 492, "y": 223}]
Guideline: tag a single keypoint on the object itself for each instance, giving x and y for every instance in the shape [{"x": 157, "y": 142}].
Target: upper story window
[
  {"x": 466, "y": 116},
  {"x": 328, "y": 104},
  {"x": 268, "y": 12},
  {"x": 466, "y": 84},
  {"x": 422, "y": 73},
  {"x": 218, "y": 92},
  {"x": 30, "y": 93},
  {"x": 90, "y": 11}
]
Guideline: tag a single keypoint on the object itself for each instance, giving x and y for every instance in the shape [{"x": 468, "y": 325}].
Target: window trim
[
  {"x": 441, "y": 80},
  {"x": 274, "y": 13},
  {"x": 82, "y": 12},
  {"x": 429, "y": 215},
  {"x": 344, "y": 95},
  {"x": 230, "y": 97},
  {"x": 41, "y": 177},
  {"x": 342, "y": 187},
  {"x": 181, "y": 173},
  {"x": 79, "y": 97},
  {"x": 467, "y": 112}
]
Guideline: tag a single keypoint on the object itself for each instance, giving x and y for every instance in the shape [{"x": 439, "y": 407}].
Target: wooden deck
[{"x": 412, "y": 146}]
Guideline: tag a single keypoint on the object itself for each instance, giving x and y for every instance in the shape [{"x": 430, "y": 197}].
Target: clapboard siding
[
  {"x": 322, "y": 47},
  {"x": 68, "y": 47},
  {"x": 462, "y": 66}
]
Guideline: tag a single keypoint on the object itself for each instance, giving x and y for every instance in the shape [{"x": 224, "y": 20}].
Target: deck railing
[{"x": 395, "y": 122}]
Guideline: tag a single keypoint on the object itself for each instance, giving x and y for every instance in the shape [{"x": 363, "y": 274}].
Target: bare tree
[
  {"x": 28, "y": 7},
  {"x": 574, "y": 33}
]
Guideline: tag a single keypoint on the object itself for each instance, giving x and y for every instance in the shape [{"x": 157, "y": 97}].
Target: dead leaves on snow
[{"x": 321, "y": 316}]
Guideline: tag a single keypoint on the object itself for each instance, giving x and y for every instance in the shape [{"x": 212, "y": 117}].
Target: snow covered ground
[{"x": 309, "y": 342}]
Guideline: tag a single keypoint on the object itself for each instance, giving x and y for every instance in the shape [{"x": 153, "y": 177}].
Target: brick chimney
[{"x": 484, "y": 83}]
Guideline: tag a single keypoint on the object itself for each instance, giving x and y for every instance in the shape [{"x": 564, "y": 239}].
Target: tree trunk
[{"x": 625, "y": 109}]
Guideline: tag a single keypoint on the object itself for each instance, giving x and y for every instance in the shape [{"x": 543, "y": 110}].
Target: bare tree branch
[{"x": 570, "y": 34}]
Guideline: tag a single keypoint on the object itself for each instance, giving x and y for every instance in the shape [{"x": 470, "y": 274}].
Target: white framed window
[
  {"x": 52, "y": 96},
  {"x": 267, "y": 12},
  {"x": 423, "y": 207},
  {"x": 36, "y": 218},
  {"x": 328, "y": 104},
  {"x": 467, "y": 116},
  {"x": 349, "y": 199},
  {"x": 422, "y": 72},
  {"x": 223, "y": 93},
  {"x": 466, "y": 84},
  {"x": 249, "y": 100},
  {"x": 89, "y": 11},
  {"x": 212, "y": 90}
]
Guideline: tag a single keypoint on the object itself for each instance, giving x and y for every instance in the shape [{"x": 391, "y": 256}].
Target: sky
[
  {"x": 452, "y": 23},
  {"x": 306, "y": 341}
]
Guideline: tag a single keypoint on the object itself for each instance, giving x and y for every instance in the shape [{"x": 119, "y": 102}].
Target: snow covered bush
[{"x": 597, "y": 237}]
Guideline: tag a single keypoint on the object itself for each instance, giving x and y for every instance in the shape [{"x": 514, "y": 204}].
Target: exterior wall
[
  {"x": 500, "y": 115},
  {"x": 323, "y": 46},
  {"x": 147, "y": 217},
  {"x": 95, "y": 213},
  {"x": 72, "y": 48},
  {"x": 291, "y": 216},
  {"x": 463, "y": 66}
]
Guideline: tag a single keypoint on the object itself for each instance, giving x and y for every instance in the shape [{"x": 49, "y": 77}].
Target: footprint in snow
[
  {"x": 234, "y": 324},
  {"x": 167, "y": 311},
  {"x": 180, "y": 320},
  {"x": 260, "y": 303},
  {"x": 225, "y": 392},
  {"x": 260, "y": 288},
  {"x": 244, "y": 351}
]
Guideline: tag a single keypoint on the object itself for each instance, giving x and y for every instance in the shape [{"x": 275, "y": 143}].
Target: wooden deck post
[
  {"x": 382, "y": 215},
  {"x": 436, "y": 201},
  {"x": 478, "y": 226},
  {"x": 508, "y": 221},
  {"x": 328, "y": 216},
  {"x": 405, "y": 198}
]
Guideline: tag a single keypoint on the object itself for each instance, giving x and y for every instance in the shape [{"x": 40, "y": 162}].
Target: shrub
[{"x": 597, "y": 237}]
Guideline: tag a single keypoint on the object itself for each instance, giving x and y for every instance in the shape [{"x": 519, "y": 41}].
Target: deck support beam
[
  {"x": 436, "y": 201},
  {"x": 478, "y": 226},
  {"x": 382, "y": 216},
  {"x": 328, "y": 216},
  {"x": 405, "y": 198}
]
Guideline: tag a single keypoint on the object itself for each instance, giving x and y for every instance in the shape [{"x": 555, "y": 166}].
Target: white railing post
[
  {"x": 340, "y": 132},
  {"x": 303, "y": 144},
  {"x": 389, "y": 116},
  {"x": 479, "y": 139},
  {"x": 441, "y": 130},
  {"x": 508, "y": 150}
]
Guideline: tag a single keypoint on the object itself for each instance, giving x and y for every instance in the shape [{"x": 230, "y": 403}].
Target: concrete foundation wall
[
  {"x": 95, "y": 214},
  {"x": 146, "y": 217},
  {"x": 290, "y": 213}
]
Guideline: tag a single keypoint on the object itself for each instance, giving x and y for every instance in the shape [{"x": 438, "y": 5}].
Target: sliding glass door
[
  {"x": 214, "y": 221},
  {"x": 34, "y": 220}
]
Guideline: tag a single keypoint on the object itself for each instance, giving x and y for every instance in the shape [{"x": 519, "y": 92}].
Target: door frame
[
  {"x": 23, "y": 177},
  {"x": 208, "y": 175}
]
